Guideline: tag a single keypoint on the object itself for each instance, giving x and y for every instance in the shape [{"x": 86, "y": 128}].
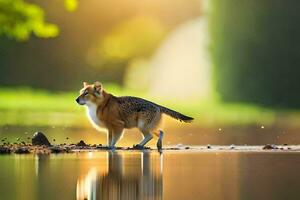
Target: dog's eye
[{"x": 85, "y": 94}]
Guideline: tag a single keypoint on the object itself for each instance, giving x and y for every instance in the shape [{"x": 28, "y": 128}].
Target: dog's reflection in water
[{"x": 127, "y": 176}]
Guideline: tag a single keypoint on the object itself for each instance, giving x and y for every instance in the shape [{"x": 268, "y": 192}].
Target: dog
[{"x": 118, "y": 113}]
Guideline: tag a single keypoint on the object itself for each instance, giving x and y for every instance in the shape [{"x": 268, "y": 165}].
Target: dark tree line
[{"x": 256, "y": 51}]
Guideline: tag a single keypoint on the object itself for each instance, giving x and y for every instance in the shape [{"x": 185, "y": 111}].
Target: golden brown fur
[{"x": 119, "y": 113}]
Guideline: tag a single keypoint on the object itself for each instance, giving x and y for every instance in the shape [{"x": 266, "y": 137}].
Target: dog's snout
[{"x": 80, "y": 101}]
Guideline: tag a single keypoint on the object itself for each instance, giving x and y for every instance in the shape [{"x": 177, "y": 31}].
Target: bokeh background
[{"x": 233, "y": 65}]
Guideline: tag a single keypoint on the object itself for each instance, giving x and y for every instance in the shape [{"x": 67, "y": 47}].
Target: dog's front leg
[{"x": 110, "y": 139}]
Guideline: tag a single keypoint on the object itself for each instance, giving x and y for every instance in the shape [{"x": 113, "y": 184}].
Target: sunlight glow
[{"x": 181, "y": 67}]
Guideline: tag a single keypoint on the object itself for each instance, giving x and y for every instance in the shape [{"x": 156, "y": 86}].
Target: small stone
[
  {"x": 270, "y": 146},
  {"x": 81, "y": 144},
  {"x": 187, "y": 147},
  {"x": 4, "y": 150},
  {"x": 208, "y": 146},
  {"x": 40, "y": 139},
  {"x": 22, "y": 150},
  {"x": 57, "y": 149}
]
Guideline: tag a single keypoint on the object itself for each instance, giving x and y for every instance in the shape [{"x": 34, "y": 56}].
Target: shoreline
[{"x": 76, "y": 148}]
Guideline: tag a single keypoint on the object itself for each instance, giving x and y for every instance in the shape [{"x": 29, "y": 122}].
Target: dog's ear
[
  {"x": 85, "y": 84},
  {"x": 98, "y": 87}
]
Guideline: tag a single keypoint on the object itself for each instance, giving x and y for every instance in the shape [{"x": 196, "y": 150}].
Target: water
[{"x": 149, "y": 175}]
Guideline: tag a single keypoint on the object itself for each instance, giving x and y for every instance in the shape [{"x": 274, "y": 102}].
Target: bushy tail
[{"x": 176, "y": 115}]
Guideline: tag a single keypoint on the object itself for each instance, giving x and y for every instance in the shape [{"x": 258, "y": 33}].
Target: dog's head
[{"x": 90, "y": 94}]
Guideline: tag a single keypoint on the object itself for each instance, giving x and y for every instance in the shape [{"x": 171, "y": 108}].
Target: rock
[
  {"x": 22, "y": 150},
  {"x": 173, "y": 148},
  {"x": 40, "y": 139},
  {"x": 270, "y": 146},
  {"x": 81, "y": 144},
  {"x": 4, "y": 150}
]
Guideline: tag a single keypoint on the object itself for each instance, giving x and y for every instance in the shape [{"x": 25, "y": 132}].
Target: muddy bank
[
  {"x": 72, "y": 148},
  {"x": 41, "y": 145}
]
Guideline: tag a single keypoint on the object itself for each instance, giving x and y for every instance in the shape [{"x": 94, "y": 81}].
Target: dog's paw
[{"x": 137, "y": 146}]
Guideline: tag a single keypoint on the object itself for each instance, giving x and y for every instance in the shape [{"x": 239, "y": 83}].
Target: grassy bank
[{"x": 25, "y": 106}]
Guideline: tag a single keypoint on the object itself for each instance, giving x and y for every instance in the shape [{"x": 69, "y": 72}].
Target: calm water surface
[{"x": 149, "y": 175}]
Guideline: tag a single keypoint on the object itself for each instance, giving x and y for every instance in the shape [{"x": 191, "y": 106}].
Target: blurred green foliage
[
  {"x": 24, "y": 106},
  {"x": 63, "y": 62},
  {"x": 134, "y": 38},
  {"x": 19, "y": 19},
  {"x": 255, "y": 51},
  {"x": 71, "y": 5}
]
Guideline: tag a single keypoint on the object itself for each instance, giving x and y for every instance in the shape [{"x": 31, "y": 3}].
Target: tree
[{"x": 19, "y": 19}]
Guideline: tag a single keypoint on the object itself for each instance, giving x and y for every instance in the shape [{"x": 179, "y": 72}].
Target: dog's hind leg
[{"x": 147, "y": 137}]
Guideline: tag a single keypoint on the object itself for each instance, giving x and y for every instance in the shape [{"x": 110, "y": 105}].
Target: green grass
[{"x": 24, "y": 106}]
